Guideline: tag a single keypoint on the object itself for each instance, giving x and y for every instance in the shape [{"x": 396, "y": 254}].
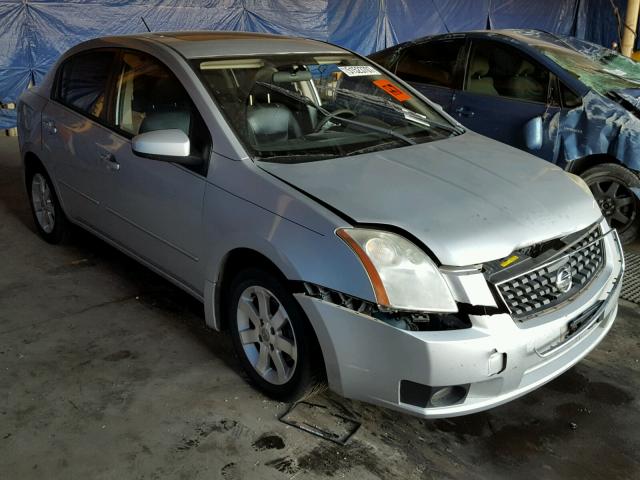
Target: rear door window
[
  {"x": 433, "y": 63},
  {"x": 83, "y": 80}
]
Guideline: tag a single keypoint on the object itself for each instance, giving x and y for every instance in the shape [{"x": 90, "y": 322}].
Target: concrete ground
[{"x": 108, "y": 372}]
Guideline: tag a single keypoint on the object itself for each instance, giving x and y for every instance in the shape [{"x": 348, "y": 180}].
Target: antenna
[{"x": 145, "y": 24}]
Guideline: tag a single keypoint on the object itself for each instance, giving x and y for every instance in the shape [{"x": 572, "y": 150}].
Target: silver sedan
[{"x": 341, "y": 227}]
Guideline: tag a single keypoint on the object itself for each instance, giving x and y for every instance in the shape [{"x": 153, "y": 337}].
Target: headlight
[{"x": 401, "y": 274}]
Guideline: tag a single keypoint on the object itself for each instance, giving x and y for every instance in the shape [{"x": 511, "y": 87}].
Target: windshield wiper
[
  {"x": 375, "y": 128},
  {"x": 297, "y": 157},
  {"x": 409, "y": 115},
  {"x": 371, "y": 148},
  {"x": 294, "y": 95},
  {"x": 448, "y": 128}
]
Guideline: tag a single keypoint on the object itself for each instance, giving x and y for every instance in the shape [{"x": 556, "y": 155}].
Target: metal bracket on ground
[{"x": 320, "y": 421}]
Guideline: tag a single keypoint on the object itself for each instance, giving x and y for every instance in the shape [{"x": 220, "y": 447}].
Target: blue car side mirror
[{"x": 533, "y": 133}]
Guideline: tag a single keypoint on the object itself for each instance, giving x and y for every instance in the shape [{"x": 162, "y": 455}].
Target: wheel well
[
  {"x": 581, "y": 165},
  {"x": 31, "y": 162},
  {"x": 237, "y": 260}
]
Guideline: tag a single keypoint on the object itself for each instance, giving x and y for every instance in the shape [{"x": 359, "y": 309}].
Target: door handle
[
  {"x": 465, "y": 112},
  {"x": 50, "y": 127},
  {"x": 109, "y": 161}
]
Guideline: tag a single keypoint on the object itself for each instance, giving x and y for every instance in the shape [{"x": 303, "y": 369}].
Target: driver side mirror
[
  {"x": 171, "y": 145},
  {"x": 533, "y": 133}
]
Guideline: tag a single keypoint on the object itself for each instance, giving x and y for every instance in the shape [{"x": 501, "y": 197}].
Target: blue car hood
[{"x": 467, "y": 198}]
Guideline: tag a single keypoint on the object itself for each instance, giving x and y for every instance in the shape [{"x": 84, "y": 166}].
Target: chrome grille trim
[{"x": 527, "y": 294}]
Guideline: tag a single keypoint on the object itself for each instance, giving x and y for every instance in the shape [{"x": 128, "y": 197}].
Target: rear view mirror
[
  {"x": 170, "y": 145},
  {"x": 291, "y": 77},
  {"x": 533, "y": 133}
]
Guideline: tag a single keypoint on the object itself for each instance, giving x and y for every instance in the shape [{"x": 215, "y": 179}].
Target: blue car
[{"x": 571, "y": 102}]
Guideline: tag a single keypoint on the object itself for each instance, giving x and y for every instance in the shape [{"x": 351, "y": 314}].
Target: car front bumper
[{"x": 496, "y": 360}]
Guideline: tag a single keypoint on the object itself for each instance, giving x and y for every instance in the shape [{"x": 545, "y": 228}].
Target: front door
[
  {"x": 154, "y": 208},
  {"x": 503, "y": 90}
]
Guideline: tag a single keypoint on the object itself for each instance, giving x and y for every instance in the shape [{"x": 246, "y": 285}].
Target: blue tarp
[{"x": 33, "y": 33}]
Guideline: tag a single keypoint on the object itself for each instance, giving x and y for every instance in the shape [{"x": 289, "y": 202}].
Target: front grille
[{"x": 536, "y": 289}]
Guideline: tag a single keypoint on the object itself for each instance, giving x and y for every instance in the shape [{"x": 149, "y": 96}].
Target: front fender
[{"x": 300, "y": 253}]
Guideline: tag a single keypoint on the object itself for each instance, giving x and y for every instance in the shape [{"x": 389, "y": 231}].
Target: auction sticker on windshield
[
  {"x": 359, "y": 70},
  {"x": 392, "y": 90}
]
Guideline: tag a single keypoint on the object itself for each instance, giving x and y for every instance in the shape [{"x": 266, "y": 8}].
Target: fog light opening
[
  {"x": 425, "y": 396},
  {"x": 445, "y": 396}
]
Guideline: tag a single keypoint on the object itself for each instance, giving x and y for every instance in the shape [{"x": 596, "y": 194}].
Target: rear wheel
[
  {"x": 272, "y": 337},
  {"x": 611, "y": 186},
  {"x": 50, "y": 220}
]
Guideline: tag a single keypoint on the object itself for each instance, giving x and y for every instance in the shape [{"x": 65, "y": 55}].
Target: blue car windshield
[
  {"x": 603, "y": 74},
  {"x": 300, "y": 108}
]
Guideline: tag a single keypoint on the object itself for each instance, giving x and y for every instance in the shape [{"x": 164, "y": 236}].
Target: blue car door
[
  {"x": 503, "y": 89},
  {"x": 431, "y": 67}
]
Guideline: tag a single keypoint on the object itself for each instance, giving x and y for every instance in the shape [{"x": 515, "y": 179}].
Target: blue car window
[
  {"x": 432, "y": 63},
  {"x": 500, "y": 70}
]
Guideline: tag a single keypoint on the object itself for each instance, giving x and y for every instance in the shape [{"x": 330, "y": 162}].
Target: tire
[
  {"x": 611, "y": 186},
  {"x": 50, "y": 220},
  {"x": 259, "y": 340}
]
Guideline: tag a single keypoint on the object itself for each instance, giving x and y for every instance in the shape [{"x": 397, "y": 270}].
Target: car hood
[{"x": 469, "y": 199}]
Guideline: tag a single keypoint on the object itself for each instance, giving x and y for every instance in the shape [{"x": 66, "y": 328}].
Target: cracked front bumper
[{"x": 367, "y": 359}]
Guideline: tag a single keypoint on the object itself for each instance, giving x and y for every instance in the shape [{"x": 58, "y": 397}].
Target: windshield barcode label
[{"x": 359, "y": 71}]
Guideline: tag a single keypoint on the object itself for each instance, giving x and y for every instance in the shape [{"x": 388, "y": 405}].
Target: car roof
[
  {"x": 530, "y": 36},
  {"x": 527, "y": 36},
  {"x": 201, "y": 44}
]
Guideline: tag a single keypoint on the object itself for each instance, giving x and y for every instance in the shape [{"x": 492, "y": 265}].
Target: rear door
[
  {"x": 74, "y": 132},
  {"x": 432, "y": 67},
  {"x": 503, "y": 89}
]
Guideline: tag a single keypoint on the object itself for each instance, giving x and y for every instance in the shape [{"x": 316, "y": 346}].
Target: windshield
[
  {"x": 603, "y": 73},
  {"x": 297, "y": 108}
]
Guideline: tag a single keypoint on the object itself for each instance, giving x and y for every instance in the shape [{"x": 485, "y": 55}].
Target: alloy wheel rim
[
  {"x": 616, "y": 201},
  {"x": 43, "y": 203},
  {"x": 267, "y": 335}
]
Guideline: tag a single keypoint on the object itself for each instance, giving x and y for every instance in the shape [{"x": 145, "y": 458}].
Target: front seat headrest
[
  {"x": 525, "y": 69},
  {"x": 272, "y": 123},
  {"x": 180, "y": 119},
  {"x": 479, "y": 67}
]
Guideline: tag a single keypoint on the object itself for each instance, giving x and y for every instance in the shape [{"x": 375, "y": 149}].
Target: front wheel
[
  {"x": 612, "y": 185},
  {"x": 272, "y": 337}
]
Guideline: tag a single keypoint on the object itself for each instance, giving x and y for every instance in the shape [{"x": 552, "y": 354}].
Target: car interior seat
[
  {"x": 525, "y": 85},
  {"x": 269, "y": 121},
  {"x": 169, "y": 108},
  {"x": 479, "y": 80}
]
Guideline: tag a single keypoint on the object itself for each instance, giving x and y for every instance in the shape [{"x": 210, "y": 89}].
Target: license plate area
[{"x": 584, "y": 321}]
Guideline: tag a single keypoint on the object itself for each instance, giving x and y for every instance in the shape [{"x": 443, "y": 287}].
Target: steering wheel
[{"x": 338, "y": 113}]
